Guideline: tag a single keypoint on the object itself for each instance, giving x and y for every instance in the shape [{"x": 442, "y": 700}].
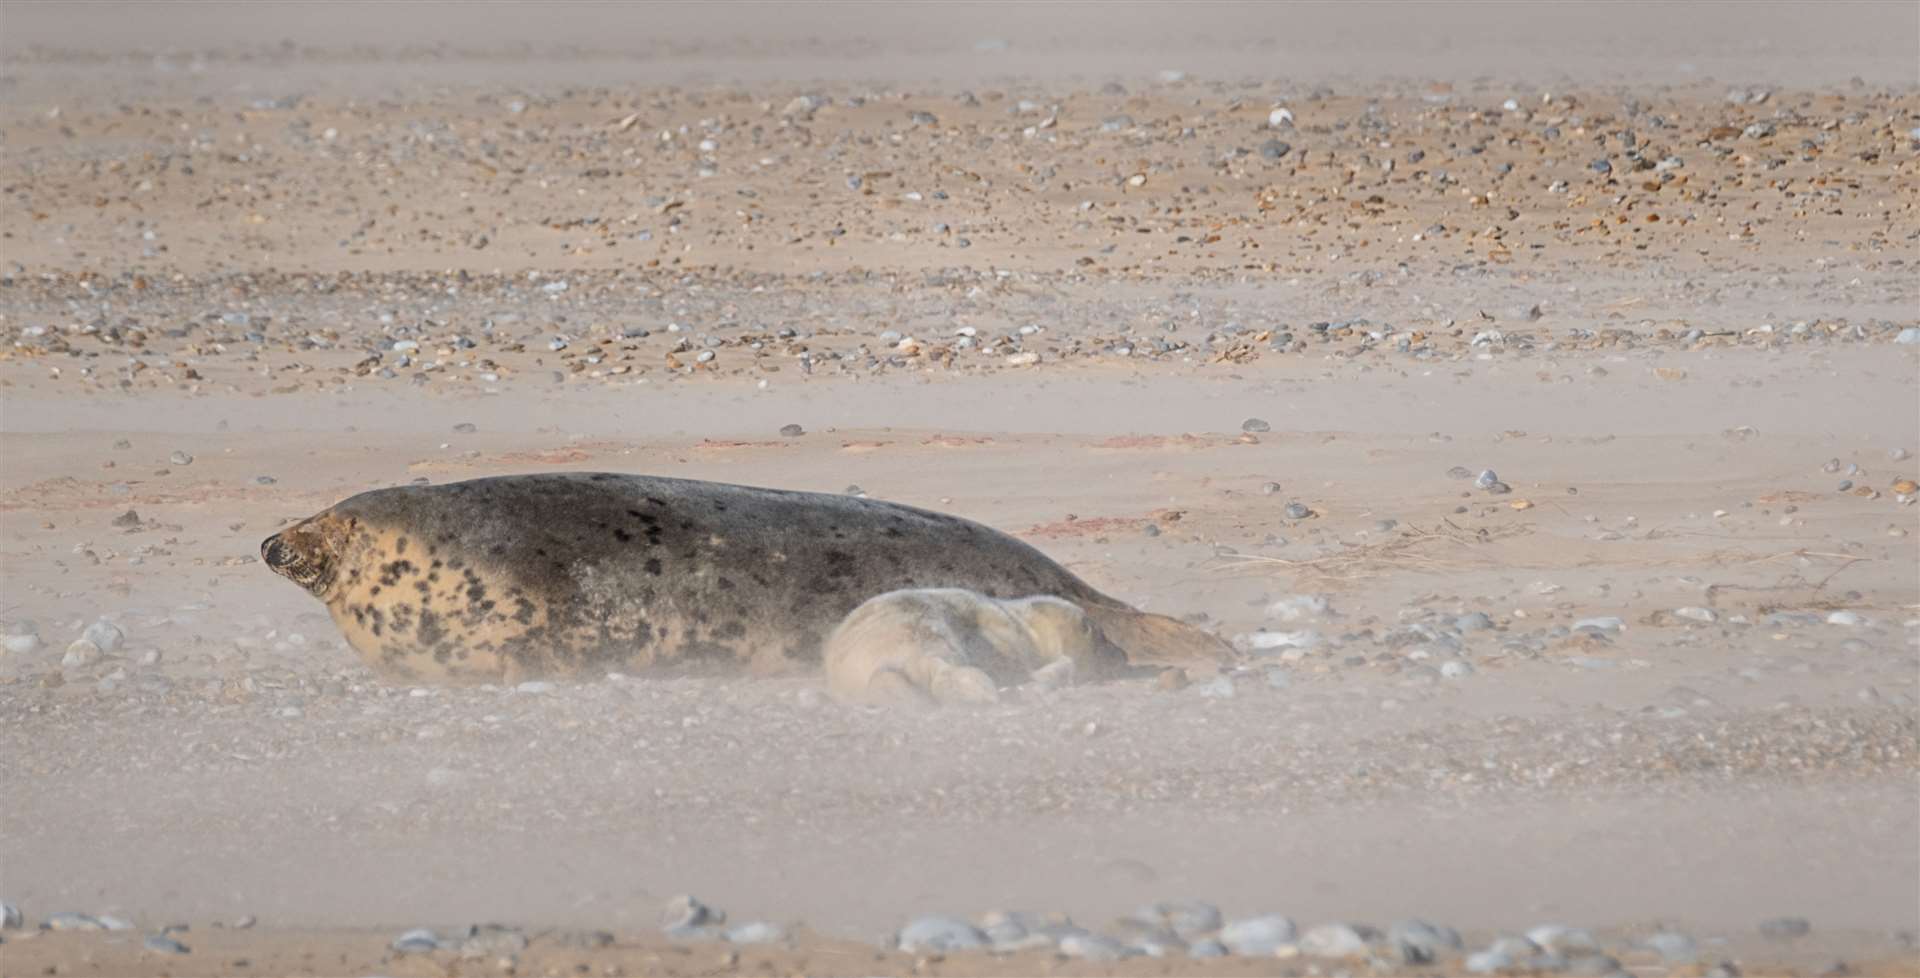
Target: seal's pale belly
[{"x": 586, "y": 573}]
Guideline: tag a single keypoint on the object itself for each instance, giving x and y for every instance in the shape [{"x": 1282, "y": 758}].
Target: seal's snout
[
  {"x": 277, "y": 554},
  {"x": 285, "y": 554}
]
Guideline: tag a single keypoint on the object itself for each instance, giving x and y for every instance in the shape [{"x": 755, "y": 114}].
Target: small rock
[
  {"x": 940, "y": 934},
  {"x": 22, "y": 638},
  {"x": 11, "y": 918},
  {"x": 1459, "y": 472},
  {"x": 1488, "y": 962},
  {"x": 1848, "y": 618},
  {"x": 684, "y": 914},
  {"x": 1602, "y": 623},
  {"x": 1207, "y": 949},
  {"x": 1171, "y": 680},
  {"x": 1298, "y": 511},
  {"x": 1188, "y": 919},
  {"x": 1269, "y": 488},
  {"x": 1455, "y": 669},
  {"x": 1561, "y": 939},
  {"x": 1673, "y": 947},
  {"x": 1274, "y": 149},
  {"x": 1334, "y": 941},
  {"x": 1785, "y": 928},
  {"x": 1908, "y": 336},
  {"x": 1486, "y": 479},
  {"x": 1255, "y": 426},
  {"x": 1419, "y": 942},
  {"x": 535, "y": 687},
  {"x": 1697, "y": 614},
  {"x": 1473, "y": 621},
  {"x": 106, "y": 635},
  {"x": 80, "y": 655},
  {"x": 127, "y": 520},
  {"x": 69, "y": 920},
  {"x": 165, "y": 945},
  {"x": 792, "y": 430},
  {"x": 1299, "y": 607},
  {"x": 180, "y": 458},
  {"x": 1092, "y": 947},
  {"x": 1257, "y": 936},
  {"x": 756, "y": 932},
  {"x": 417, "y": 941},
  {"x": 483, "y": 941}
]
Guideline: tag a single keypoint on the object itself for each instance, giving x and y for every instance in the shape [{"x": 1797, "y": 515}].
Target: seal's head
[{"x": 308, "y": 553}]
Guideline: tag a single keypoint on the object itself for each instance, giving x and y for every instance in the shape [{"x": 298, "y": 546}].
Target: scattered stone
[
  {"x": 1171, "y": 680},
  {"x": 1418, "y": 942},
  {"x": 1334, "y": 941},
  {"x": 756, "y": 932},
  {"x": 1473, "y": 621},
  {"x": 1208, "y": 948},
  {"x": 11, "y": 918},
  {"x": 940, "y": 934},
  {"x": 180, "y": 458},
  {"x": 163, "y": 944},
  {"x": 80, "y": 654},
  {"x": 1455, "y": 669},
  {"x": 792, "y": 430},
  {"x": 1217, "y": 688},
  {"x": 420, "y": 940},
  {"x": 1188, "y": 919},
  {"x": 1847, "y": 618},
  {"x": 1257, "y": 936},
  {"x": 1604, "y": 623},
  {"x": 69, "y": 920},
  {"x": 1561, "y": 939},
  {"x": 1300, "y": 607},
  {"x": 1298, "y": 511},
  {"x": 1785, "y": 928},
  {"x": 1255, "y": 426},
  {"x": 21, "y": 638},
  {"x": 1092, "y": 947},
  {"x": 1274, "y": 149},
  {"x": 1269, "y": 488},
  {"x": 1692, "y": 613},
  {"x": 685, "y": 915},
  {"x": 1673, "y": 947},
  {"x": 127, "y": 520},
  {"x": 105, "y": 635}
]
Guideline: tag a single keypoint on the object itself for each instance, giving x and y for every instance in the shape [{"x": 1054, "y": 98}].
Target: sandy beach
[{"x": 1531, "y": 395}]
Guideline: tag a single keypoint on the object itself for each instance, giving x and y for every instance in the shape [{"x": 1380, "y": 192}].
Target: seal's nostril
[{"x": 275, "y": 552}]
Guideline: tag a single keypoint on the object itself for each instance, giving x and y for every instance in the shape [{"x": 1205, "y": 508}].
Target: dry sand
[{"x": 993, "y": 262}]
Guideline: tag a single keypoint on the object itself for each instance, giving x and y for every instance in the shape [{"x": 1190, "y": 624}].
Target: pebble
[
  {"x": 1563, "y": 939},
  {"x": 1459, "y": 472},
  {"x": 1673, "y": 947},
  {"x": 1092, "y": 947},
  {"x": 1420, "y": 942},
  {"x": 792, "y": 430},
  {"x": 1603, "y": 623},
  {"x": 105, "y": 635},
  {"x": 1455, "y": 669},
  {"x": 1908, "y": 336},
  {"x": 165, "y": 945},
  {"x": 180, "y": 458},
  {"x": 1848, "y": 618},
  {"x": 11, "y": 918},
  {"x": 80, "y": 655},
  {"x": 1274, "y": 149},
  {"x": 491, "y": 941},
  {"x": 1255, "y": 426},
  {"x": 1187, "y": 919},
  {"x": 1489, "y": 962},
  {"x": 69, "y": 920},
  {"x": 22, "y": 638},
  {"x": 127, "y": 520},
  {"x": 1269, "y": 488},
  {"x": 1474, "y": 621},
  {"x": 1334, "y": 941},
  {"x": 1208, "y": 948},
  {"x": 1697, "y": 614},
  {"x": 1785, "y": 928},
  {"x": 685, "y": 914},
  {"x": 417, "y": 941},
  {"x": 756, "y": 932},
  {"x": 940, "y": 934},
  {"x": 1298, "y": 511},
  {"x": 1257, "y": 936},
  {"x": 534, "y": 687}
]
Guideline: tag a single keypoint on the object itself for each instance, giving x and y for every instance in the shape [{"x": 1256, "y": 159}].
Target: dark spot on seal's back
[
  {"x": 732, "y": 629},
  {"x": 602, "y": 477},
  {"x": 657, "y": 501},
  {"x": 653, "y": 566},
  {"x": 400, "y": 545},
  {"x": 726, "y": 584},
  {"x": 523, "y": 611},
  {"x": 430, "y": 632},
  {"x": 623, "y": 536}
]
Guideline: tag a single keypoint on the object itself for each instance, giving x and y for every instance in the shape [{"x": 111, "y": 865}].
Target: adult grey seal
[{"x": 580, "y": 574}]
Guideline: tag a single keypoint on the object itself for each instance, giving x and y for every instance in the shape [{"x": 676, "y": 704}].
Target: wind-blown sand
[{"x": 993, "y": 262}]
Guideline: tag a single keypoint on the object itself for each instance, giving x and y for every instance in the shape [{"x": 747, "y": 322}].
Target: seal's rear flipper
[{"x": 1149, "y": 639}]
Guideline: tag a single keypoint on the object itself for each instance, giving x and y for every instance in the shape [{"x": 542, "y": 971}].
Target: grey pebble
[
  {"x": 1419, "y": 942},
  {"x": 165, "y": 945},
  {"x": 1488, "y": 962},
  {"x": 792, "y": 430},
  {"x": 1217, "y": 688},
  {"x": 1697, "y": 614},
  {"x": 1186, "y": 918},
  {"x": 1255, "y": 425},
  {"x": 69, "y": 920},
  {"x": 1270, "y": 488},
  {"x": 80, "y": 654},
  {"x": 11, "y": 918},
  {"x": 180, "y": 458},
  {"x": 127, "y": 520},
  {"x": 1257, "y": 936},
  {"x": 1785, "y": 928},
  {"x": 1298, "y": 511},
  {"x": 1673, "y": 947},
  {"x": 756, "y": 932},
  {"x": 491, "y": 941},
  {"x": 1274, "y": 149},
  {"x": 1455, "y": 669},
  {"x": 1562, "y": 939},
  {"x": 1602, "y": 623},
  {"x": 417, "y": 941},
  {"x": 105, "y": 635},
  {"x": 940, "y": 934},
  {"x": 466, "y": 428},
  {"x": 1092, "y": 947},
  {"x": 1459, "y": 472},
  {"x": 1334, "y": 941},
  {"x": 685, "y": 913},
  {"x": 1207, "y": 949},
  {"x": 1473, "y": 621},
  {"x": 1486, "y": 479}
]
